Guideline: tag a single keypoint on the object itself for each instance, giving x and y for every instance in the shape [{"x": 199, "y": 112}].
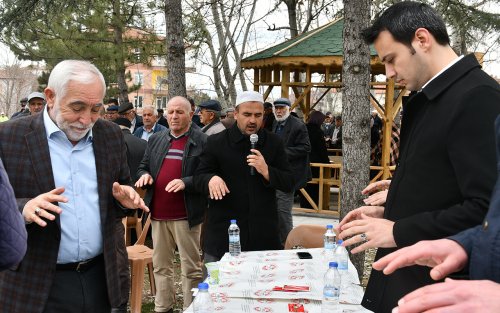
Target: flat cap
[
  {"x": 36, "y": 94},
  {"x": 112, "y": 108},
  {"x": 248, "y": 96},
  {"x": 122, "y": 121},
  {"x": 282, "y": 102},
  {"x": 124, "y": 107},
  {"x": 213, "y": 105}
]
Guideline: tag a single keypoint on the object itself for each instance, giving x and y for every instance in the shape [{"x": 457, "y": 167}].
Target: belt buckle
[{"x": 81, "y": 264}]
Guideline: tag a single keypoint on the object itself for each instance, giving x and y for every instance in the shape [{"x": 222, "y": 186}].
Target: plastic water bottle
[
  {"x": 331, "y": 289},
  {"x": 329, "y": 243},
  {"x": 203, "y": 302},
  {"x": 342, "y": 256},
  {"x": 234, "y": 239}
]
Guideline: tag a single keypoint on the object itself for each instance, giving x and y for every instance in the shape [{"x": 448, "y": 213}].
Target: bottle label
[
  {"x": 234, "y": 238},
  {"x": 329, "y": 245},
  {"x": 331, "y": 293},
  {"x": 343, "y": 265}
]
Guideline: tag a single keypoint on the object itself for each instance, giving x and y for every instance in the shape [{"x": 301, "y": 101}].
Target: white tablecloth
[{"x": 246, "y": 283}]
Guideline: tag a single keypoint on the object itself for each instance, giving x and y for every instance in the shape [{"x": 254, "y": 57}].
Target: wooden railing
[{"x": 329, "y": 176}]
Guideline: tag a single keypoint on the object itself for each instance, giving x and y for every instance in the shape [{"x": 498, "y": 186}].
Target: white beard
[
  {"x": 281, "y": 119},
  {"x": 66, "y": 127}
]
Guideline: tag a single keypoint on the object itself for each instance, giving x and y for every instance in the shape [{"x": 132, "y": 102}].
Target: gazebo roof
[{"x": 320, "y": 46}]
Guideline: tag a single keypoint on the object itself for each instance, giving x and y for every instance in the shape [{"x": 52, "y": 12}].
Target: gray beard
[{"x": 281, "y": 119}]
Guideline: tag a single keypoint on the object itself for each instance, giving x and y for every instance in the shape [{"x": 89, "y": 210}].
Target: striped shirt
[{"x": 170, "y": 205}]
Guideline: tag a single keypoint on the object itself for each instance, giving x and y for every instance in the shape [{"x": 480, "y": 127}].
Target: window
[
  {"x": 138, "y": 101},
  {"x": 161, "y": 102},
  {"x": 138, "y": 78}
]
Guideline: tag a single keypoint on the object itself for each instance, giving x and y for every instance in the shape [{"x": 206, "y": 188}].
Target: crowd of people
[{"x": 71, "y": 167}]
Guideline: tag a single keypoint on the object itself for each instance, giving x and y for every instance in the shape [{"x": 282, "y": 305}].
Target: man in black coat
[
  {"x": 447, "y": 169},
  {"x": 336, "y": 142},
  {"x": 294, "y": 134},
  {"x": 126, "y": 110},
  {"x": 225, "y": 175},
  {"x": 135, "y": 147}
]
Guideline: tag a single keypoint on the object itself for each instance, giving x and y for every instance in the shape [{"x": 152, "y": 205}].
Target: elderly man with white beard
[
  {"x": 68, "y": 169},
  {"x": 294, "y": 134}
]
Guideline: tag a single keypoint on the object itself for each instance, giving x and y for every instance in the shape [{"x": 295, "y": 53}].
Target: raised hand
[
  {"x": 445, "y": 256},
  {"x": 144, "y": 180},
  {"x": 40, "y": 206},
  {"x": 257, "y": 160},
  {"x": 128, "y": 197},
  {"x": 217, "y": 188}
]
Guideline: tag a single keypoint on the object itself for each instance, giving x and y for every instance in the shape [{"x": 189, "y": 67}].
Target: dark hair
[
  {"x": 160, "y": 111},
  {"x": 113, "y": 100},
  {"x": 316, "y": 118},
  {"x": 403, "y": 19}
]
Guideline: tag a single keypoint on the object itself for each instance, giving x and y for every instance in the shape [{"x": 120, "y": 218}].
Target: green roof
[{"x": 323, "y": 41}]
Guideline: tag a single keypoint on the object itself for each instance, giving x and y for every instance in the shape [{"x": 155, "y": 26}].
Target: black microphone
[{"x": 253, "y": 141}]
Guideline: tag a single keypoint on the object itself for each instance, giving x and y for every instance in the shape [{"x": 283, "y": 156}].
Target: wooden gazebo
[{"x": 321, "y": 51}]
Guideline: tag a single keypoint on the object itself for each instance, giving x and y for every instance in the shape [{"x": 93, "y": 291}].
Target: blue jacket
[
  {"x": 138, "y": 132},
  {"x": 481, "y": 242},
  {"x": 12, "y": 229}
]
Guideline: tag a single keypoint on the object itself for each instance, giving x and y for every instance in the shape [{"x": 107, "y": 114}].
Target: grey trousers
[{"x": 285, "y": 204}]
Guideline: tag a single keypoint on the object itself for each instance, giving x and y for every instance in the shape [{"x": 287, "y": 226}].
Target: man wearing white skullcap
[{"x": 242, "y": 182}]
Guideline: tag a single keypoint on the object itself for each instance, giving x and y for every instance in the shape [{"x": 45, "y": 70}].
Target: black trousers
[{"x": 79, "y": 292}]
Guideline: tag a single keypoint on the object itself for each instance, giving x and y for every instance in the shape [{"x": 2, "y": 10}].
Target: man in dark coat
[
  {"x": 76, "y": 259},
  {"x": 161, "y": 119},
  {"x": 336, "y": 142},
  {"x": 149, "y": 119},
  {"x": 447, "y": 169},
  {"x": 127, "y": 110},
  {"x": 475, "y": 248},
  {"x": 225, "y": 174},
  {"x": 294, "y": 134},
  {"x": 24, "y": 102},
  {"x": 135, "y": 147},
  {"x": 12, "y": 230}
]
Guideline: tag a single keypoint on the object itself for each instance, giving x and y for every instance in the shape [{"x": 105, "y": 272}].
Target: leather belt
[{"x": 80, "y": 266}]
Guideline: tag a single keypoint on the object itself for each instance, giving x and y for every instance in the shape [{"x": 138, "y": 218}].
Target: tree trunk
[
  {"x": 176, "y": 62},
  {"x": 291, "y": 6},
  {"x": 355, "y": 111},
  {"x": 119, "y": 57}
]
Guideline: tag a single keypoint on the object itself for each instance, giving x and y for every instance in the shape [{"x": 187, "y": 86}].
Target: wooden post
[
  {"x": 285, "y": 81},
  {"x": 307, "y": 103},
  {"x": 277, "y": 75},
  {"x": 387, "y": 131},
  {"x": 256, "y": 79}
]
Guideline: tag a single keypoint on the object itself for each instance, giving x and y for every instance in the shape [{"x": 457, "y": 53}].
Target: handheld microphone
[{"x": 254, "y": 138}]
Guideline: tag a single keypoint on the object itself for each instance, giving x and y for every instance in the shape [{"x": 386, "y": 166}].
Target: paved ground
[{"x": 305, "y": 218}]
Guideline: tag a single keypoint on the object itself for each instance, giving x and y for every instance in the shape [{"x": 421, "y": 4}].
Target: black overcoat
[
  {"x": 445, "y": 174},
  {"x": 251, "y": 200}
]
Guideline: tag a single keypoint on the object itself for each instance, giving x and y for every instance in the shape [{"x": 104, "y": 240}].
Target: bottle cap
[
  {"x": 333, "y": 264},
  {"x": 329, "y": 226},
  {"x": 340, "y": 242},
  {"x": 203, "y": 286},
  {"x": 233, "y": 221}
]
